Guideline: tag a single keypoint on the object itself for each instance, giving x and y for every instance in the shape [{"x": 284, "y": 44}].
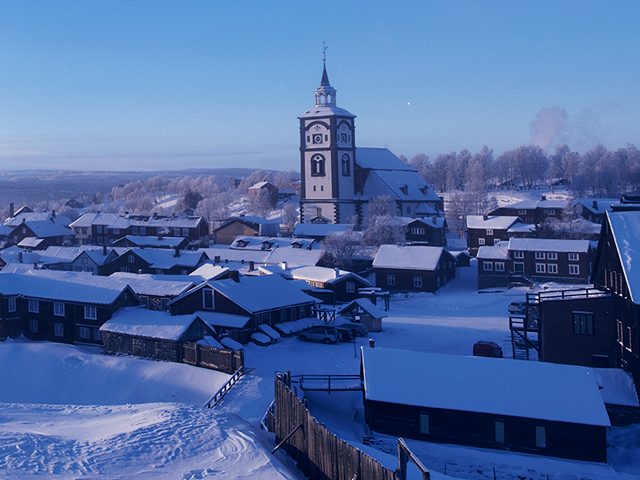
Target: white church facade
[{"x": 339, "y": 179}]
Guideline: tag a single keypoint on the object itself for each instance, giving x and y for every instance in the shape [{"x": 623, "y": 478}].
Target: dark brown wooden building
[
  {"x": 426, "y": 231},
  {"x": 413, "y": 268},
  {"x": 533, "y": 211},
  {"x": 484, "y": 230},
  {"x": 245, "y": 225},
  {"x": 533, "y": 407}
]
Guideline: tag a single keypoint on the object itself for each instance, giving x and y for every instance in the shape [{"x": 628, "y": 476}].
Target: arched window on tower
[
  {"x": 317, "y": 165},
  {"x": 346, "y": 165}
]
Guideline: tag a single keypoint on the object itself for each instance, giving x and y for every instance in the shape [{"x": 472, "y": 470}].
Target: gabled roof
[
  {"x": 321, "y": 229},
  {"x": 163, "y": 258},
  {"x": 209, "y": 271},
  {"x": 154, "y": 241},
  {"x": 30, "y": 242},
  {"x": 366, "y": 305},
  {"x": 497, "y": 222},
  {"x": 625, "y": 228},
  {"x": 408, "y": 257},
  {"x": 404, "y": 185},
  {"x": 259, "y": 185},
  {"x": 29, "y": 217},
  {"x": 226, "y": 320},
  {"x": 540, "y": 203},
  {"x": 549, "y": 245},
  {"x": 142, "y": 322},
  {"x": 430, "y": 222},
  {"x": 323, "y": 274},
  {"x": 496, "y": 386},
  {"x": 601, "y": 204},
  {"x": 43, "y": 285},
  {"x": 155, "y": 285},
  {"x": 380, "y": 159},
  {"x": 499, "y": 251}
]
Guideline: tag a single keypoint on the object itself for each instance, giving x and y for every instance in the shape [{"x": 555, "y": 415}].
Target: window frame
[
  {"x": 582, "y": 323},
  {"x": 487, "y": 266},
  {"x": 205, "y": 293},
  {"x": 90, "y": 312},
  {"x": 541, "y": 268},
  {"x": 391, "y": 279},
  {"x": 58, "y": 329},
  {"x": 554, "y": 270},
  {"x": 574, "y": 256},
  {"x": 501, "y": 265},
  {"x": 574, "y": 269},
  {"x": 12, "y": 305},
  {"x": 518, "y": 254},
  {"x": 33, "y": 305},
  {"x": 417, "y": 281},
  {"x": 58, "y": 309}
]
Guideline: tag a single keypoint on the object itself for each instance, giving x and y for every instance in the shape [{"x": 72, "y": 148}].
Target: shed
[
  {"x": 533, "y": 407},
  {"x": 364, "y": 311},
  {"x": 152, "y": 334}
]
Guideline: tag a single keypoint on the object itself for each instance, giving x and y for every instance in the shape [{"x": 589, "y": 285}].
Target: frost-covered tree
[
  {"x": 340, "y": 249},
  {"x": 289, "y": 216},
  {"x": 384, "y": 230}
]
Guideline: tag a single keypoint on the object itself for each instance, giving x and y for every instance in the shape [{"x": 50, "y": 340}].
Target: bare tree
[
  {"x": 340, "y": 249},
  {"x": 384, "y": 230}
]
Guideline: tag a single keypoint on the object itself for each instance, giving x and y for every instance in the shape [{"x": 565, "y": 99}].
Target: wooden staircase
[{"x": 525, "y": 329}]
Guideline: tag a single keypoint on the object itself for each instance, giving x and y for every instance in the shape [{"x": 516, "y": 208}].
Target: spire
[
  {"x": 325, "y": 78},
  {"x": 325, "y": 93}
]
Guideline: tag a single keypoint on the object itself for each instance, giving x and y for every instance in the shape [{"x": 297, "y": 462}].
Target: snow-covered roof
[
  {"x": 432, "y": 222},
  {"x": 227, "y": 320},
  {"x": 235, "y": 255},
  {"x": 426, "y": 209},
  {"x": 408, "y": 257},
  {"x": 499, "y": 251},
  {"x": 380, "y": 159},
  {"x": 549, "y": 245},
  {"x": 625, "y": 228},
  {"x": 143, "y": 322},
  {"x": 259, "y": 185},
  {"x": 323, "y": 274},
  {"x": 295, "y": 256},
  {"x": 540, "y": 203},
  {"x": 71, "y": 289},
  {"x": 498, "y": 222},
  {"x": 30, "y": 242},
  {"x": 208, "y": 271},
  {"x": 249, "y": 219},
  {"x": 155, "y": 285},
  {"x": 539, "y": 390},
  {"x": 321, "y": 229},
  {"x": 155, "y": 241},
  {"x": 404, "y": 185},
  {"x": 47, "y": 229},
  {"x": 522, "y": 228},
  {"x": 29, "y": 217},
  {"x": 366, "y": 305},
  {"x": 326, "y": 110},
  {"x": 114, "y": 220},
  {"x": 58, "y": 254},
  {"x": 163, "y": 258},
  {"x": 601, "y": 204},
  {"x": 247, "y": 242}
]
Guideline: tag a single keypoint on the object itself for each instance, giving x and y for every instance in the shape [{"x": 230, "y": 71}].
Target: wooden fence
[
  {"x": 319, "y": 453},
  {"x": 227, "y": 361}
]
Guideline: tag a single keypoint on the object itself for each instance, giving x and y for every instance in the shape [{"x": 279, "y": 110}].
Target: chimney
[
  {"x": 252, "y": 266},
  {"x": 284, "y": 265},
  {"x": 484, "y": 217},
  {"x": 155, "y": 214},
  {"x": 20, "y": 257},
  {"x": 336, "y": 272},
  {"x": 12, "y": 209},
  {"x": 104, "y": 250},
  {"x": 176, "y": 252},
  {"x": 372, "y": 343},
  {"x": 53, "y": 214},
  {"x": 35, "y": 265},
  {"x": 595, "y": 204},
  {"x": 543, "y": 197},
  {"x": 216, "y": 259}
]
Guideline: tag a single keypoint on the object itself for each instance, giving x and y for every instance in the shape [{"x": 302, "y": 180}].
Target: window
[
  {"x": 317, "y": 165},
  {"x": 552, "y": 268},
  {"x": 346, "y": 165},
  {"x": 541, "y": 437},
  {"x": 176, "y": 232},
  {"x": 58, "y": 309},
  {"x": 96, "y": 334},
  {"x": 522, "y": 212},
  {"x": 620, "y": 332},
  {"x": 552, "y": 256},
  {"x": 573, "y": 257},
  {"x": 143, "y": 231},
  {"x": 99, "y": 229},
  {"x": 582, "y": 323},
  {"x": 499, "y": 266},
  {"x": 417, "y": 230},
  {"x": 125, "y": 269},
  {"x": 350, "y": 287},
  {"x": 317, "y": 138},
  {"x": 185, "y": 232},
  {"x": 134, "y": 230},
  {"x": 424, "y": 423},
  {"x": 487, "y": 266},
  {"x": 11, "y": 305},
  {"x": 489, "y": 231},
  {"x": 90, "y": 312},
  {"x": 207, "y": 299},
  {"x": 481, "y": 241},
  {"x": 131, "y": 258},
  {"x": 417, "y": 281},
  {"x": 58, "y": 329},
  {"x": 499, "y": 432},
  {"x": 574, "y": 269},
  {"x": 518, "y": 254},
  {"x": 540, "y": 268},
  {"x": 116, "y": 231},
  {"x": 33, "y": 325},
  {"x": 540, "y": 256},
  {"x": 84, "y": 333},
  {"x": 391, "y": 280},
  {"x": 34, "y": 306},
  {"x": 550, "y": 212}
]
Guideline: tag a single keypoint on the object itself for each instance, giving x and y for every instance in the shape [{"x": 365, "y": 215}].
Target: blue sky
[{"x": 170, "y": 84}]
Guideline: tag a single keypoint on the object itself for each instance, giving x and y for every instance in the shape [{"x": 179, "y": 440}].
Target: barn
[{"x": 532, "y": 407}]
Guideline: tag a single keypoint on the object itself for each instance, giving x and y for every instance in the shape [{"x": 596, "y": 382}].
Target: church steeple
[{"x": 325, "y": 93}]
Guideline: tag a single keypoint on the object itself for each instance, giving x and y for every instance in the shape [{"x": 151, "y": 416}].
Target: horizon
[{"x": 146, "y": 86}]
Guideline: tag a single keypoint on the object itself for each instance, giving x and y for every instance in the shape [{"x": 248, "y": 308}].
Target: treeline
[{"x": 599, "y": 171}]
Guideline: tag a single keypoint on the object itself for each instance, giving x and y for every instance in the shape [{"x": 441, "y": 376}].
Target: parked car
[
  {"x": 320, "y": 334},
  {"x": 356, "y": 329},
  {"x": 518, "y": 308},
  {"x": 483, "y": 348}
]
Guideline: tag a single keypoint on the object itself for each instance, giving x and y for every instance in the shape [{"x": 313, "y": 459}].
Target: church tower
[{"x": 327, "y": 156}]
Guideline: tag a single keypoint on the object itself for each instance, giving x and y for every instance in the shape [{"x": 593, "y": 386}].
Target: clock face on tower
[{"x": 317, "y": 138}]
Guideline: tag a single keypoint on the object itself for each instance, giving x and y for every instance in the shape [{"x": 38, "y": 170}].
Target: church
[{"x": 339, "y": 179}]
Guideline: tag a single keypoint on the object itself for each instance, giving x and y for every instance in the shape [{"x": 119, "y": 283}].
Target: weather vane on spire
[{"x": 324, "y": 52}]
